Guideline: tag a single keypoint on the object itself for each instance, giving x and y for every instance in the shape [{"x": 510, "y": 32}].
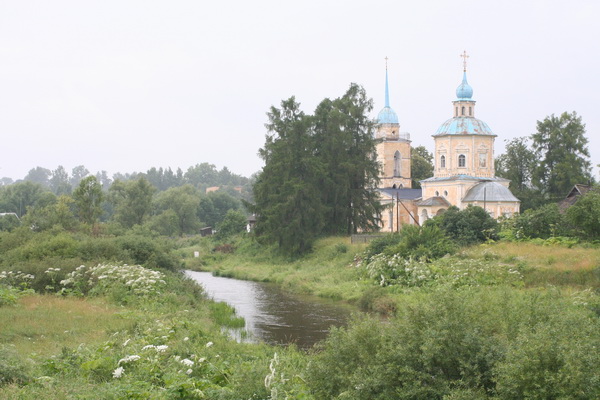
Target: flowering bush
[
  {"x": 451, "y": 271},
  {"x": 395, "y": 270},
  {"x": 15, "y": 279},
  {"x": 472, "y": 272},
  {"x": 12, "y": 285},
  {"x": 102, "y": 278}
]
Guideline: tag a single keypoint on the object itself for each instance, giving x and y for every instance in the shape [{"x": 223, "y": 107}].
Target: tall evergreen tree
[
  {"x": 320, "y": 172},
  {"x": 287, "y": 198},
  {"x": 561, "y": 148}
]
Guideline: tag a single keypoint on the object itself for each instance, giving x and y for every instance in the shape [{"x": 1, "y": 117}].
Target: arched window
[
  {"x": 470, "y": 111},
  {"x": 462, "y": 161},
  {"x": 397, "y": 162},
  {"x": 456, "y": 112},
  {"x": 443, "y": 162},
  {"x": 445, "y": 193},
  {"x": 437, "y": 193},
  {"x": 424, "y": 216},
  {"x": 463, "y": 111}
]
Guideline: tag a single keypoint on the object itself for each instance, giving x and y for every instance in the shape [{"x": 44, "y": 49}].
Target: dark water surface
[{"x": 273, "y": 315}]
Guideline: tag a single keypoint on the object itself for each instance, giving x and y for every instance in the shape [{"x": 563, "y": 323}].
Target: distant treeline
[
  {"x": 159, "y": 200},
  {"x": 201, "y": 176}
]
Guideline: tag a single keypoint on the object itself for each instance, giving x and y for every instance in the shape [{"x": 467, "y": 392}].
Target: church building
[{"x": 463, "y": 167}]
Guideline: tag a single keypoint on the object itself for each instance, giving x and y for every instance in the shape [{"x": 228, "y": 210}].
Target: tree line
[
  {"x": 201, "y": 176},
  {"x": 128, "y": 203},
  {"x": 545, "y": 166}
]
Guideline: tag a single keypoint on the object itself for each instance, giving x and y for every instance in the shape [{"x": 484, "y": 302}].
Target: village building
[{"x": 463, "y": 166}]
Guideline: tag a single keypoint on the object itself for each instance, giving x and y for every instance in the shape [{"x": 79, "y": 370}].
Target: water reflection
[{"x": 272, "y": 315}]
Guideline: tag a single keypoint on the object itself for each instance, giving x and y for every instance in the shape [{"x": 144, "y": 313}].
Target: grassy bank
[
  {"x": 326, "y": 272},
  {"x": 331, "y": 270},
  {"x": 113, "y": 343}
]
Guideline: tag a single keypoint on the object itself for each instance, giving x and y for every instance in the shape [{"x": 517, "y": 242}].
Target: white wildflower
[
  {"x": 189, "y": 371},
  {"x": 187, "y": 362},
  {"x": 129, "y": 359},
  {"x": 209, "y": 344},
  {"x": 117, "y": 373},
  {"x": 162, "y": 348},
  {"x": 185, "y": 339}
]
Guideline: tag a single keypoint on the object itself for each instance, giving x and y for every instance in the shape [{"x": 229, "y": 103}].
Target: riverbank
[
  {"x": 164, "y": 342},
  {"x": 331, "y": 270}
]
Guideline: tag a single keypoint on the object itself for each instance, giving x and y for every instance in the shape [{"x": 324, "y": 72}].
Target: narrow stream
[{"x": 273, "y": 315}]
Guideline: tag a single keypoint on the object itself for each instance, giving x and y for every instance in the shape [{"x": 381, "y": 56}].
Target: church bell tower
[{"x": 393, "y": 147}]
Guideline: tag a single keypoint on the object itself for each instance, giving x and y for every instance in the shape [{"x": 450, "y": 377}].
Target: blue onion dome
[
  {"x": 464, "y": 126},
  {"x": 464, "y": 91},
  {"x": 387, "y": 116}
]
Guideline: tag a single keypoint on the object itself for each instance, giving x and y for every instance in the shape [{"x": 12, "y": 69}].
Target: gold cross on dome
[{"x": 464, "y": 57}]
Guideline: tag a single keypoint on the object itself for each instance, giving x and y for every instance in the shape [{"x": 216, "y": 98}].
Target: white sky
[{"x": 126, "y": 85}]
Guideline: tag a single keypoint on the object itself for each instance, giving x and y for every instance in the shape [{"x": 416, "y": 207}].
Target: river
[{"x": 272, "y": 315}]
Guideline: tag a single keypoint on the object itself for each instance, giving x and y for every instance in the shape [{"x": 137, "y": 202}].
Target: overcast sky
[{"x": 126, "y": 85}]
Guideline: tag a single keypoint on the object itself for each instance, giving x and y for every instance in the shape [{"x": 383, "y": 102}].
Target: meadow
[{"x": 498, "y": 320}]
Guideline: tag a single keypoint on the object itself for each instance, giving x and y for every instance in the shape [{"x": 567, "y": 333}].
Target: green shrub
[
  {"x": 584, "y": 215},
  {"x": 454, "y": 343},
  {"x": 421, "y": 243},
  {"x": 8, "y": 296},
  {"x": 13, "y": 368},
  {"x": 233, "y": 223},
  {"x": 378, "y": 245},
  {"x": 543, "y": 222},
  {"x": 468, "y": 226}
]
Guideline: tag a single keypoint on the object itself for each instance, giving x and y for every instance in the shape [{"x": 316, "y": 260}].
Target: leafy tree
[
  {"x": 215, "y": 205},
  {"x": 20, "y": 196},
  {"x": 104, "y": 180},
  {"x": 77, "y": 174},
  {"x": 8, "y": 222},
  {"x": 57, "y": 214},
  {"x": 6, "y": 181},
  {"x": 584, "y": 215},
  {"x": 561, "y": 147},
  {"x": 59, "y": 181},
  {"x": 518, "y": 164},
  {"x": 421, "y": 165},
  {"x": 88, "y": 198},
  {"x": 233, "y": 223},
  {"x": 133, "y": 201},
  {"x": 38, "y": 175},
  {"x": 202, "y": 175},
  {"x": 287, "y": 197},
  {"x": 181, "y": 205}
]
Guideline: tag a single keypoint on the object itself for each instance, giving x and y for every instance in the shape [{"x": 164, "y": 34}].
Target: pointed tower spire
[
  {"x": 387, "y": 115},
  {"x": 387, "y": 92}
]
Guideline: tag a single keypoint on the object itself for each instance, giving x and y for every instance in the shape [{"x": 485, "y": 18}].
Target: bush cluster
[{"x": 500, "y": 344}]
